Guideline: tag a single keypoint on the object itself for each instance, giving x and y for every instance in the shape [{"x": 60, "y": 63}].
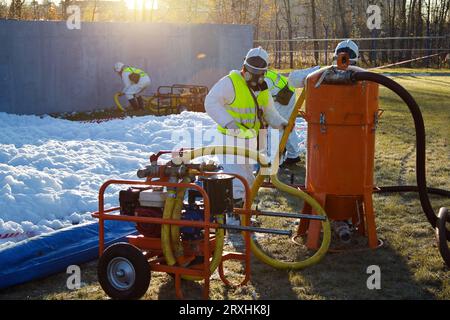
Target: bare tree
[
  {"x": 288, "y": 19},
  {"x": 15, "y": 9},
  {"x": 314, "y": 30}
]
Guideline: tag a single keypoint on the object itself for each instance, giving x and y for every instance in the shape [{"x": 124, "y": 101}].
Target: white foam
[{"x": 51, "y": 169}]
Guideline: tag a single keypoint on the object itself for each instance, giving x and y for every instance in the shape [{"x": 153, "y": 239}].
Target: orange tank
[{"x": 342, "y": 119}]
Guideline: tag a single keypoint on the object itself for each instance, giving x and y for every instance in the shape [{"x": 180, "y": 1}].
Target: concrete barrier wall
[{"x": 45, "y": 67}]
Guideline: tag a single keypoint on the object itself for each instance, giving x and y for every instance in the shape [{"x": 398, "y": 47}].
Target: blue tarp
[{"x": 52, "y": 253}]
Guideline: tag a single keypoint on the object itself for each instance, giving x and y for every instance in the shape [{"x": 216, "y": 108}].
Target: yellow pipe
[
  {"x": 168, "y": 233},
  {"x": 217, "y": 255},
  {"x": 165, "y": 229},
  {"x": 176, "y": 215},
  {"x": 325, "y": 225},
  {"x": 257, "y": 251},
  {"x": 263, "y": 161},
  {"x": 148, "y": 103},
  {"x": 116, "y": 100},
  {"x": 214, "y": 150},
  {"x": 291, "y": 123}
]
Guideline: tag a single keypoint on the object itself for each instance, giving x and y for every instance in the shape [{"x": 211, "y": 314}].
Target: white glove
[
  {"x": 297, "y": 77},
  {"x": 231, "y": 125}
]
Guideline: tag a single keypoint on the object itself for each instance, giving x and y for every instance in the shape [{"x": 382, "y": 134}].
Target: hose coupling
[{"x": 343, "y": 231}]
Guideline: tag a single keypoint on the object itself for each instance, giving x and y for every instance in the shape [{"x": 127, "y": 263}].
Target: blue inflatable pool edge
[{"x": 51, "y": 253}]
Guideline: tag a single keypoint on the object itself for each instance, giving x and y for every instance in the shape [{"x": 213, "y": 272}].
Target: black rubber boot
[
  {"x": 290, "y": 161},
  {"x": 134, "y": 104},
  {"x": 140, "y": 101}
]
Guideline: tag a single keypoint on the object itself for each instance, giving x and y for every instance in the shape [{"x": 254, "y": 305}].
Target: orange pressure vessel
[{"x": 342, "y": 118}]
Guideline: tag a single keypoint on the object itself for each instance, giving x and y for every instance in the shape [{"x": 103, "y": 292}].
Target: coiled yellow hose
[
  {"x": 165, "y": 229},
  {"x": 149, "y": 105},
  {"x": 170, "y": 235},
  {"x": 176, "y": 215},
  {"x": 265, "y": 171},
  {"x": 217, "y": 256}
]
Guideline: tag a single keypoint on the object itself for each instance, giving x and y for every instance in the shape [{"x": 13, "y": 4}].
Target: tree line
[{"x": 287, "y": 28}]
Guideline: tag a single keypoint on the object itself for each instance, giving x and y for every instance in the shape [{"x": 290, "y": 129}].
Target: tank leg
[
  {"x": 370, "y": 220},
  {"x": 359, "y": 217},
  {"x": 315, "y": 226},
  {"x": 304, "y": 223}
]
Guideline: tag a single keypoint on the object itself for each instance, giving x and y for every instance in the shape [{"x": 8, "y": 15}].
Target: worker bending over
[
  {"x": 135, "y": 81},
  {"x": 241, "y": 105}
]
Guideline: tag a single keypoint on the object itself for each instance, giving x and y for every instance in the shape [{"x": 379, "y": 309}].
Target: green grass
[{"x": 409, "y": 260}]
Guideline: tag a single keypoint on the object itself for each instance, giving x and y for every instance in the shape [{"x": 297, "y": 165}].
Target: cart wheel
[
  {"x": 441, "y": 231},
  {"x": 123, "y": 272}
]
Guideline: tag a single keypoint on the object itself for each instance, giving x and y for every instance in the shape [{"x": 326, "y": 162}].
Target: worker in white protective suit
[
  {"x": 241, "y": 104},
  {"x": 135, "y": 81},
  {"x": 349, "y": 47},
  {"x": 283, "y": 92}
]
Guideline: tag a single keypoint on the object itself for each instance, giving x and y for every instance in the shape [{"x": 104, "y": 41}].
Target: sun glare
[{"x": 142, "y": 4}]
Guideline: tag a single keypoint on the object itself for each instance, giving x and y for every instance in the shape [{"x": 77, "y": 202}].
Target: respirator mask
[{"x": 254, "y": 71}]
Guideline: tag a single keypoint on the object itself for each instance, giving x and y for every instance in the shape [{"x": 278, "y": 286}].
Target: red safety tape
[
  {"x": 16, "y": 234},
  {"x": 10, "y": 235}
]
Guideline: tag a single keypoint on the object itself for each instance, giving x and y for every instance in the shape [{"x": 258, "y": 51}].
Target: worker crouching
[{"x": 135, "y": 81}]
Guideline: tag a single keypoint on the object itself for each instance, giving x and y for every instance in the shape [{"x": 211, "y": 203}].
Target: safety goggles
[
  {"x": 350, "y": 52},
  {"x": 255, "y": 70}
]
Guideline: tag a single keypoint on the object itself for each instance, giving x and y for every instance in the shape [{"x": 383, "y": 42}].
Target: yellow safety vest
[
  {"x": 135, "y": 70},
  {"x": 243, "y": 109},
  {"x": 279, "y": 81}
]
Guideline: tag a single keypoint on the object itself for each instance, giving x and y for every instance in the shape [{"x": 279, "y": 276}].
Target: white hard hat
[
  {"x": 350, "y": 47},
  {"x": 260, "y": 53},
  {"x": 118, "y": 66}
]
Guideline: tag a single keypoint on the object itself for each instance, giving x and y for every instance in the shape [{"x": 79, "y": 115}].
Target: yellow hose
[
  {"x": 170, "y": 235},
  {"x": 165, "y": 229},
  {"x": 264, "y": 172},
  {"x": 176, "y": 215},
  {"x": 148, "y": 103},
  {"x": 116, "y": 100},
  {"x": 257, "y": 251},
  {"x": 217, "y": 256},
  {"x": 261, "y": 255}
]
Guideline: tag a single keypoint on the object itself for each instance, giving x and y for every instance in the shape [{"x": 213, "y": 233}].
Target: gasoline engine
[{"x": 150, "y": 201}]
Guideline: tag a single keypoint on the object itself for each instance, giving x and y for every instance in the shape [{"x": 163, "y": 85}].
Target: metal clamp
[{"x": 323, "y": 123}]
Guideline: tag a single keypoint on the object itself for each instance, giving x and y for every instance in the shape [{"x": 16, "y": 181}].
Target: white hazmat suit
[
  {"x": 221, "y": 95},
  {"x": 132, "y": 89}
]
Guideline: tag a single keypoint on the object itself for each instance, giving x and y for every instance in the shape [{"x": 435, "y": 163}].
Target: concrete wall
[{"x": 45, "y": 67}]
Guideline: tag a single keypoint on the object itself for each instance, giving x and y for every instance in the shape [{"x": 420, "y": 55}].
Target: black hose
[
  {"x": 400, "y": 189},
  {"x": 420, "y": 138},
  {"x": 444, "y": 217}
]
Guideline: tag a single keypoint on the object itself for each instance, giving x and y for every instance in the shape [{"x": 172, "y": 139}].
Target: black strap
[{"x": 259, "y": 112}]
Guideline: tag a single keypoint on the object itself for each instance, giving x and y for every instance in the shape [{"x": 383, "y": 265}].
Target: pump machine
[{"x": 181, "y": 209}]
